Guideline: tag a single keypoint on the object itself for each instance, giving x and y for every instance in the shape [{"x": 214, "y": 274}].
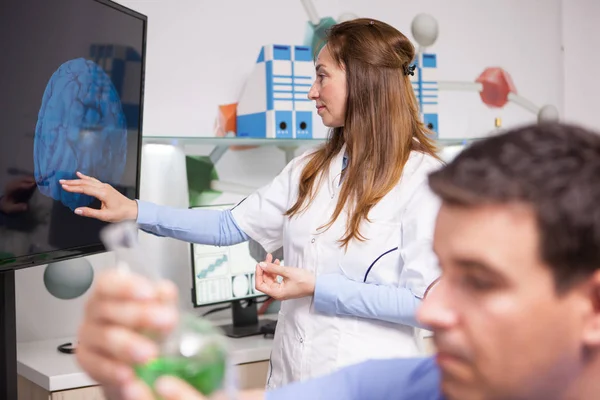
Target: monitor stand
[
  {"x": 8, "y": 336},
  {"x": 245, "y": 319}
]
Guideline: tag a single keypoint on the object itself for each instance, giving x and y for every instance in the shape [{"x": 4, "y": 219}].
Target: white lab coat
[{"x": 308, "y": 344}]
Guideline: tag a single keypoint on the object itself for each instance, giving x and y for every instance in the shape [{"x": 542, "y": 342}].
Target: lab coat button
[
  {"x": 301, "y": 340},
  {"x": 312, "y": 240}
]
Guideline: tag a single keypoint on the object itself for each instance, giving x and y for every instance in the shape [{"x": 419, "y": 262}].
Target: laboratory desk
[{"x": 45, "y": 373}]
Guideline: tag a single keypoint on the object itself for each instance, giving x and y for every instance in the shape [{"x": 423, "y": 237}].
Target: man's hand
[
  {"x": 170, "y": 388},
  {"x": 122, "y": 306},
  {"x": 167, "y": 387},
  {"x": 122, "y": 310}
]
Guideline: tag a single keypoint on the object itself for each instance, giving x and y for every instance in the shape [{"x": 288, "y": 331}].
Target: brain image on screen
[{"x": 81, "y": 127}]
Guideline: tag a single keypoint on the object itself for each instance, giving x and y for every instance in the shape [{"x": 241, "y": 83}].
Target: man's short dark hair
[{"x": 555, "y": 169}]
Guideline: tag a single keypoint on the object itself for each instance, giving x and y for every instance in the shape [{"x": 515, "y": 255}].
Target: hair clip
[{"x": 409, "y": 69}]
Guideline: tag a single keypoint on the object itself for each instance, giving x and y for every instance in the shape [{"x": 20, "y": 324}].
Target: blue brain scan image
[{"x": 81, "y": 127}]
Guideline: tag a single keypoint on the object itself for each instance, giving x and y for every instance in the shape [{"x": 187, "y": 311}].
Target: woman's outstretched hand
[{"x": 115, "y": 206}]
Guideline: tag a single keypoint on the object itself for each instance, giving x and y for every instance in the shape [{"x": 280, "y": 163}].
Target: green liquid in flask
[
  {"x": 204, "y": 377},
  {"x": 203, "y": 365}
]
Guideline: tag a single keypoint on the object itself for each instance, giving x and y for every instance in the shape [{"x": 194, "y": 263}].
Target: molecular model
[{"x": 494, "y": 84}]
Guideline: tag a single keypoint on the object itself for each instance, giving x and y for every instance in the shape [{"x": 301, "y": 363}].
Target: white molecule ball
[
  {"x": 424, "y": 29},
  {"x": 68, "y": 279},
  {"x": 548, "y": 113},
  {"x": 346, "y": 17}
]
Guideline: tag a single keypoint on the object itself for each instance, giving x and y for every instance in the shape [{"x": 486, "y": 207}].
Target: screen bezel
[{"x": 33, "y": 260}]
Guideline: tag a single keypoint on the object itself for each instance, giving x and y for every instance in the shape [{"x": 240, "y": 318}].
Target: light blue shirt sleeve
[
  {"x": 335, "y": 294},
  {"x": 392, "y": 379},
  {"x": 203, "y": 226}
]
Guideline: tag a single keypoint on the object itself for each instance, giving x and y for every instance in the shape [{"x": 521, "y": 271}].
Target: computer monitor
[
  {"x": 226, "y": 274},
  {"x": 71, "y": 99}
]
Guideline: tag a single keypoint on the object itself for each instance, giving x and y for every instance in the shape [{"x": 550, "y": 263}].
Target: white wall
[
  {"x": 581, "y": 43},
  {"x": 199, "y": 53},
  {"x": 43, "y": 316}
]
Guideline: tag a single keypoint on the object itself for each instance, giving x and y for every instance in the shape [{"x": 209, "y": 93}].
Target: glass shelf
[
  {"x": 241, "y": 141},
  {"x": 229, "y": 141}
]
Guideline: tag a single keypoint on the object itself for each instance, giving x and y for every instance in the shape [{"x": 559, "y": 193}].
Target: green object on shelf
[{"x": 201, "y": 172}]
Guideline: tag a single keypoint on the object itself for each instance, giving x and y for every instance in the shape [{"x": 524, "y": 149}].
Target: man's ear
[{"x": 591, "y": 334}]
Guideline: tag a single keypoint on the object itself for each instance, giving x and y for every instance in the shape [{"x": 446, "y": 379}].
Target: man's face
[{"x": 501, "y": 329}]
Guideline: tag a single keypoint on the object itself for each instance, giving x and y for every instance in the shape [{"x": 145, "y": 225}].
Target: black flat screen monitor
[{"x": 71, "y": 99}]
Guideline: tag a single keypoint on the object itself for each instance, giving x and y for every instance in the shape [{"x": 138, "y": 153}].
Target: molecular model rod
[
  {"x": 478, "y": 87},
  {"x": 420, "y": 51},
  {"x": 523, "y": 102},
  {"x": 311, "y": 11},
  {"x": 460, "y": 86}
]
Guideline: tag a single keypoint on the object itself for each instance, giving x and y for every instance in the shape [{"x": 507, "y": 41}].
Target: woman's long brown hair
[{"x": 382, "y": 124}]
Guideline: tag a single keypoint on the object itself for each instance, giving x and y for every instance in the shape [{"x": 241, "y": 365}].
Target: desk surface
[{"x": 44, "y": 365}]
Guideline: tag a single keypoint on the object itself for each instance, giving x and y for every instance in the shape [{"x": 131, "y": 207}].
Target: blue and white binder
[
  {"x": 425, "y": 85},
  {"x": 274, "y": 102}
]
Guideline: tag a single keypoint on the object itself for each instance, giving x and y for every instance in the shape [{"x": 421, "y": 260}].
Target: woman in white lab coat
[{"x": 357, "y": 212}]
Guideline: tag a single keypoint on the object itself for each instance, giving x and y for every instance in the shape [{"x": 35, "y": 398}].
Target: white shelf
[{"x": 242, "y": 141}]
